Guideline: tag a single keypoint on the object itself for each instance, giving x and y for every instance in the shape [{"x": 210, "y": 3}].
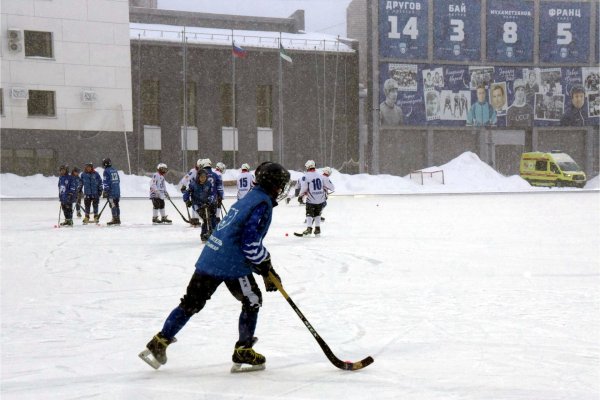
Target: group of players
[{"x": 89, "y": 186}]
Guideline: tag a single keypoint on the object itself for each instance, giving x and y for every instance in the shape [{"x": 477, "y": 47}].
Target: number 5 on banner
[
  {"x": 410, "y": 29},
  {"x": 563, "y": 31}
]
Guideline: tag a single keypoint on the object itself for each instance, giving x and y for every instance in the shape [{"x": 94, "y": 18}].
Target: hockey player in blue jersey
[
  {"x": 92, "y": 189},
  {"x": 218, "y": 193},
  {"x": 232, "y": 254},
  {"x": 112, "y": 191},
  {"x": 67, "y": 193},
  {"x": 199, "y": 196}
]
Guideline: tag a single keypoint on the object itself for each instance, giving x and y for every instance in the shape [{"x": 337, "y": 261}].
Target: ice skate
[
  {"x": 114, "y": 221},
  {"x": 307, "y": 232},
  {"x": 166, "y": 220},
  {"x": 156, "y": 221},
  {"x": 96, "y": 218},
  {"x": 155, "y": 354},
  {"x": 317, "y": 230},
  {"x": 67, "y": 222},
  {"x": 78, "y": 214},
  {"x": 245, "y": 359},
  {"x": 86, "y": 219}
]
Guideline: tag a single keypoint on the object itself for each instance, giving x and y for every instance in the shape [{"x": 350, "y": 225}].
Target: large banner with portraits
[
  {"x": 457, "y": 30},
  {"x": 564, "y": 32},
  {"x": 514, "y": 97},
  {"x": 403, "y": 29}
]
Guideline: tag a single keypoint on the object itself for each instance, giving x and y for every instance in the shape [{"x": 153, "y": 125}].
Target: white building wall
[{"x": 91, "y": 52}]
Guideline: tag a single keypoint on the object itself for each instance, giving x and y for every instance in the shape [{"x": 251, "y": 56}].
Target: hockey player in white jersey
[
  {"x": 220, "y": 169},
  {"x": 315, "y": 187},
  {"x": 158, "y": 192},
  {"x": 245, "y": 181},
  {"x": 184, "y": 184}
]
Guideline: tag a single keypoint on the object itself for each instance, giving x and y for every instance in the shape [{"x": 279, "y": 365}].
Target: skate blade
[
  {"x": 147, "y": 357},
  {"x": 236, "y": 367}
]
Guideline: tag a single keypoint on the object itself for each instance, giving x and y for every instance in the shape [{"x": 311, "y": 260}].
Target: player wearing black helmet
[
  {"x": 234, "y": 251},
  {"x": 112, "y": 191}
]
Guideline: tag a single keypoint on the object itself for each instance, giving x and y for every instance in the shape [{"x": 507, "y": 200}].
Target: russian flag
[{"x": 238, "y": 51}]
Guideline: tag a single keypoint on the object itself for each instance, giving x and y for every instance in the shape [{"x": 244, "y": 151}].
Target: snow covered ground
[{"x": 456, "y": 296}]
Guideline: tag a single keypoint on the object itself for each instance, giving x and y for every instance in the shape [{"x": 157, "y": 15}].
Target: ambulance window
[
  {"x": 541, "y": 165},
  {"x": 554, "y": 168}
]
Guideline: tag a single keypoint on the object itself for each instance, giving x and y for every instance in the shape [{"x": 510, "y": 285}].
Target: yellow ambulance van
[{"x": 551, "y": 169}]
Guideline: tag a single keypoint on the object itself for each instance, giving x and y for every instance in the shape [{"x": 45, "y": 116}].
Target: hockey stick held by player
[{"x": 233, "y": 252}]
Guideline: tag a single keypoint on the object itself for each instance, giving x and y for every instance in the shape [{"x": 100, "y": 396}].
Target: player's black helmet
[
  {"x": 106, "y": 162},
  {"x": 273, "y": 178}
]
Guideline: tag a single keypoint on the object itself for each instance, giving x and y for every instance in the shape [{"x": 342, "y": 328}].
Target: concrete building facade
[{"x": 66, "y": 82}]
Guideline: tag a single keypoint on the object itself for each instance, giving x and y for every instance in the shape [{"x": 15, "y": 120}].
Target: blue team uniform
[
  {"x": 201, "y": 195},
  {"x": 247, "y": 222},
  {"x": 112, "y": 183}
]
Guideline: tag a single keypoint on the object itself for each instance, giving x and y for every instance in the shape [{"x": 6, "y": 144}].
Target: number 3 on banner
[
  {"x": 510, "y": 32},
  {"x": 458, "y": 27},
  {"x": 410, "y": 29}
]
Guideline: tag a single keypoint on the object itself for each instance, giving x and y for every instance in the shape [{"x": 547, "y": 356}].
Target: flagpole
[
  {"x": 281, "y": 160},
  {"x": 233, "y": 99}
]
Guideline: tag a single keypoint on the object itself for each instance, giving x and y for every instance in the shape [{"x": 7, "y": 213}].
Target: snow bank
[{"x": 464, "y": 174}]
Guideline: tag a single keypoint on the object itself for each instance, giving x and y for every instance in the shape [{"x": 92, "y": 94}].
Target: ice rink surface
[{"x": 455, "y": 296}]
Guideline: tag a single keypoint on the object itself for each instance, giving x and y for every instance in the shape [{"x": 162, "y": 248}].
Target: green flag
[{"x": 283, "y": 54}]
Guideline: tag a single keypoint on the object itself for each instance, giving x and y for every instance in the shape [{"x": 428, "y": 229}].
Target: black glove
[
  {"x": 300, "y": 200},
  {"x": 219, "y": 202},
  {"x": 105, "y": 194},
  {"x": 188, "y": 203},
  {"x": 183, "y": 189},
  {"x": 263, "y": 268},
  {"x": 269, "y": 285}
]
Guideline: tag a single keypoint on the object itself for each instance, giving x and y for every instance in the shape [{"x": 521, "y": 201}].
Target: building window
[
  {"x": 41, "y": 103},
  {"x": 150, "y": 103},
  {"x": 227, "y": 110},
  {"x": 191, "y": 105},
  {"x": 38, "y": 44},
  {"x": 264, "y": 106}
]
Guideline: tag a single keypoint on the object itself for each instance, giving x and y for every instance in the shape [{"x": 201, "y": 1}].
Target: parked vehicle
[{"x": 551, "y": 169}]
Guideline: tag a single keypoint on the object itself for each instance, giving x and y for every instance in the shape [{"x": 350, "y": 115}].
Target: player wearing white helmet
[
  {"x": 220, "y": 168},
  {"x": 315, "y": 187},
  {"x": 245, "y": 181},
  {"x": 218, "y": 193},
  {"x": 158, "y": 192},
  {"x": 184, "y": 184}
]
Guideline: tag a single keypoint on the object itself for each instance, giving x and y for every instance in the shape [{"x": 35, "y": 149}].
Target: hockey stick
[
  {"x": 59, "y": 211},
  {"x": 177, "y": 209},
  {"x": 101, "y": 211},
  {"x": 223, "y": 209},
  {"x": 346, "y": 365}
]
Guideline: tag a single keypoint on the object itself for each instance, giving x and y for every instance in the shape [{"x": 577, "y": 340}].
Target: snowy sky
[{"x": 324, "y": 16}]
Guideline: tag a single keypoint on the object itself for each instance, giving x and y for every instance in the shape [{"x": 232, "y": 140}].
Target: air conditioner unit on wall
[
  {"x": 19, "y": 93},
  {"x": 88, "y": 96},
  {"x": 15, "y": 39}
]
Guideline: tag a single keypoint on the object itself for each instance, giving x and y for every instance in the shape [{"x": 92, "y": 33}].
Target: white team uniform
[
  {"x": 157, "y": 191},
  {"x": 245, "y": 182},
  {"x": 185, "y": 181},
  {"x": 316, "y": 187},
  {"x": 189, "y": 177},
  {"x": 157, "y": 186}
]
